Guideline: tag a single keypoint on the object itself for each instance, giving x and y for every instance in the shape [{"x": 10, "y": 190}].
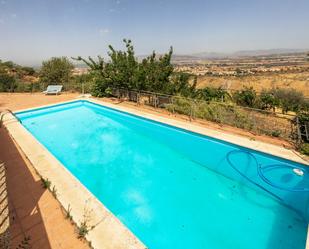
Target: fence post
[
  {"x": 155, "y": 100},
  {"x": 173, "y": 107},
  {"x": 191, "y": 111},
  {"x": 137, "y": 97},
  {"x": 298, "y": 131}
]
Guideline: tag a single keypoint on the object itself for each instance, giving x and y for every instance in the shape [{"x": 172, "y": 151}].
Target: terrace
[{"x": 36, "y": 213}]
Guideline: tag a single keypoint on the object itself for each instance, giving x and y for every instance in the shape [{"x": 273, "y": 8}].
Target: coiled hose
[
  {"x": 262, "y": 176},
  {"x": 243, "y": 175}
]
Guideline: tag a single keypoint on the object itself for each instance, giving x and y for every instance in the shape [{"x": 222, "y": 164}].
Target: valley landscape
[{"x": 262, "y": 69}]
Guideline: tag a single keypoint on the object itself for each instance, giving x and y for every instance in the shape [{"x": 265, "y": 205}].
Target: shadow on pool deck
[{"x": 33, "y": 210}]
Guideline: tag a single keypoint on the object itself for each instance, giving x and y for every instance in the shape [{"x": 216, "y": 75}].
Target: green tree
[
  {"x": 245, "y": 97},
  {"x": 57, "y": 70},
  {"x": 267, "y": 100},
  {"x": 154, "y": 73},
  {"x": 289, "y": 99},
  {"x": 180, "y": 85},
  {"x": 211, "y": 93},
  {"x": 28, "y": 70},
  {"x": 119, "y": 72},
  {"x": 7, "y": 82},
  {"x": 123, "y": 70}
]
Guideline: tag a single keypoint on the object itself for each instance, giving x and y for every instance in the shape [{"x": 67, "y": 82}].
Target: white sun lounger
[{"x": 53, "y": 89}]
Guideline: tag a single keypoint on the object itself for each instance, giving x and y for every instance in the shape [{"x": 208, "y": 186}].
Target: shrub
[
  {"x": 267, "y": 100},
  {"x": 7, "y": 82},
  {"x": 46, "y": 183},
  {"x": 305, "y": 149},
  {"x": 245, "y": 97},
  {"x": 180, "y": 105},
  {"x": 78, "y": 82},
  {"x": 211, "y": 93},
  {"x": 83, "y": 230},
  {"x": 57, "y": 70},
  {"x": 212, "y": 111},
  {"x": 289, "y": 99},
  {"x": 276, "y": 133}
]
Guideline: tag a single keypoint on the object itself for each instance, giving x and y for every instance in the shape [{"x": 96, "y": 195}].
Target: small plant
[
  {"x": 46, "y": 183},
  {"x": 54, "y": 191},
  {"x": 83, "y": 229},
  {"x": 68, "y": 213},
  {"x": 276, "y": 133},
  {"x": 24, "y": 244}
]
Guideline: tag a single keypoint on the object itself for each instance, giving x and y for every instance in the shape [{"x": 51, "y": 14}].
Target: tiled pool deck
[{"x": 108, "y": 232}]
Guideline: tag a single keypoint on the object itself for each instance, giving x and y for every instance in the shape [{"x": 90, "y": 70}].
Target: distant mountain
[
  {"x": 239, "y": 54},
  {"x": 267, "y": 52}
]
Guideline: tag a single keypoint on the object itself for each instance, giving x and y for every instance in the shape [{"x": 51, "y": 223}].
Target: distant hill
[
  {"x": 238, "y": 54},
  {"x": 268, "y": 52}
]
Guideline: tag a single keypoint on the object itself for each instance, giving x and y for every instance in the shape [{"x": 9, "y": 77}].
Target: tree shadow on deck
[{"x": 24, "y": 190}]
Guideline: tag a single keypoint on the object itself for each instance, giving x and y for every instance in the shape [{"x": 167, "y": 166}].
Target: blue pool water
[{"x": 175, "y": 189}]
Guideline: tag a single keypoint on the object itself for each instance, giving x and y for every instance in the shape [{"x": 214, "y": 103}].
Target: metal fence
[
  {"x": 254, "y": 120},
  {"x": 302, "y": 130}
]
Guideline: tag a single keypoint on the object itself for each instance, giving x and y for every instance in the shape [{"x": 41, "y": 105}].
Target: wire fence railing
[
  {"x": 257, "y": 121},
  {"x": 221, "y": 111}
]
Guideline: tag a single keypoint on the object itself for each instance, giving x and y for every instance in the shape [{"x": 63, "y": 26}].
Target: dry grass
[{"x": 299, "y": 81}]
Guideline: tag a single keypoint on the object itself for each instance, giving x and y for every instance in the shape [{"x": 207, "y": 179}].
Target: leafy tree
[
  {"x": 245, "y": 97},
  {"x": 211, "y": 93},
  {"x": 28, "y": 70},
  {"x": 305, "y": 106},
  {"x": 289, "y": 99},
  {"x": 57, "y": 70},
  {"x": 267, "y": 100},
  {"x": 123, "y": 70},
  {"x": 155, "y": 74},
  {"x": 180, "y": 85},
  {"x": 7, "y": 82},
  {"x": 119, "y": 72},
  {"x": 8, "y": 64}
]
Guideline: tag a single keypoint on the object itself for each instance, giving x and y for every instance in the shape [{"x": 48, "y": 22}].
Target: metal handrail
[{"x": 155, "y": 94}]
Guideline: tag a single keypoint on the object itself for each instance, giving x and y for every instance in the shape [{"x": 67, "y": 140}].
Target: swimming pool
[{"x": 173, "y": 188}]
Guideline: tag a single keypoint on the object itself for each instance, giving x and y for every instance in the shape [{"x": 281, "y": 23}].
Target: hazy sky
[{"x": 32, "y": 30}]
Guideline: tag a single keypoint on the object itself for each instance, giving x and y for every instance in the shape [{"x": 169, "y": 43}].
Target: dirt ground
[{"x": 17, "y": 101}]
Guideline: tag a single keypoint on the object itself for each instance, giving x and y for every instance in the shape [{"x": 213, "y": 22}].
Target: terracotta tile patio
[{"x": 34, "y": 212}]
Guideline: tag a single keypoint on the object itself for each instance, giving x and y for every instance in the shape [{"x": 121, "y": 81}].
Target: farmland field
[{"x": 299, "y": 81}]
